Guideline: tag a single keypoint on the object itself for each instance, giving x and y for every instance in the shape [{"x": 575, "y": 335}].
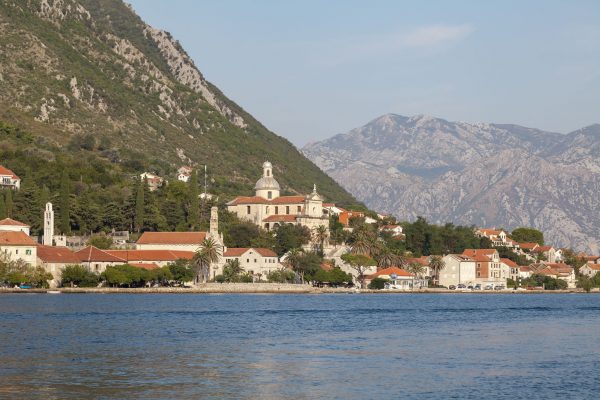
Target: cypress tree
[
  {"x": 2, "y": 206},
  {"x": 194, "y": 202},
  {"x": 9, "y": 204},
  {"x": 64, "y": 223},
  {"x": 140, "y": 205}
]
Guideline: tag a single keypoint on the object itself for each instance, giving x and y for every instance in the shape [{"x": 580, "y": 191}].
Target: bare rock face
[{"x": 480, "y": 174}]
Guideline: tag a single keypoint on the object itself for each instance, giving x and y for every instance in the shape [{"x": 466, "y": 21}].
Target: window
[
  {"x": 270, "y": 194},
  {"x": 255, "y": 260},
  {"x": 248, "y": 260},
  {"x": 287, "y": 209},
  {"x": 247, "y": 209},
  {"x": 299, "y": 209},
  {"x": 28, "y": 252},
  {"x": 276, "y": 210}
]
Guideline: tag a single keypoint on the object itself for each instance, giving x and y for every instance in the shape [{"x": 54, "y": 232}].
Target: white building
[
  {"x": 590, "y": 269},
  {"x": 48, "y": 225},
  {"x": 11, "y": 225},
  {"x": 257, "y": 261},
  {"x": 153, "y": 181},
  {"x": 8, "y": 179},
  {"x": 269, "y": 210},
  {"x": 181, "y": 241},
  {"x": 458, "y": 268},
  {"x": 18, "y": 245},
  {"x": 54, "y": 259},
  {"x": 184, "y": 173}
]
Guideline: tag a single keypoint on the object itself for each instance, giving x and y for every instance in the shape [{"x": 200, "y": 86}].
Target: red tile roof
[
  {"x": 172, "y": 238},
  {"x": 261, "y": 200},
  {"x": 147, "y": 266},
  {"x": 542, "y": 249},
  {"x": 6, "y": 171},
  {"x": 489, "y": 232},
  {"x": 92, "y": 253},
  {"x": 280, "y": 218},
  {"x": 479, "y": 255},
  {"x": 151, "y": 255},
  {"x": 423, "y": 260},
  {"x": 238, "y": 251},
  {"x": 509, "y": 262},
  {"x": 389, "y": 271},
  {"x": 56, "y": 254},
  {"x": 595, "y": 267},
  {"x": 12, "y": 222},
  {"x": 288, "y": 200},
  {"x": 10, "y": 238},
  {"x": 528, "y": 246}
]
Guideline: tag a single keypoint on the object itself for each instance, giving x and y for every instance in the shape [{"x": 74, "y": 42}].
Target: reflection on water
[{"x": 299, "y": 346}]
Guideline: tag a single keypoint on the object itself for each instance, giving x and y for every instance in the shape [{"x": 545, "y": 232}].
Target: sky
[{"x": 311, "y": 69}]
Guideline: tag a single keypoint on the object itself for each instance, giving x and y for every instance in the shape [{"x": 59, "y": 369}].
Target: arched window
[{"x": 270, "y": 194}]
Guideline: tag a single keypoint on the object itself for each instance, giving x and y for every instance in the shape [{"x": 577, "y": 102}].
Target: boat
[{"x": 53, "y": 291}]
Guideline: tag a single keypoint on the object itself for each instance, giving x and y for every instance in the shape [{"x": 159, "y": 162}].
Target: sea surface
[{"x": 341, "y": 346}]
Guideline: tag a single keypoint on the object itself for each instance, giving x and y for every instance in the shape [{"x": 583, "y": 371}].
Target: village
[{"x": 341, "y": 247}]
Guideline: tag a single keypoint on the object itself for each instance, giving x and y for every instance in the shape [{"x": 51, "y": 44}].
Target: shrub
[
  {"x": 377, "y": 283},
  {"x": 78, "y": 275}
]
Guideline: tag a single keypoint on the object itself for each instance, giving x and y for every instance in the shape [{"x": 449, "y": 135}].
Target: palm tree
[
  {"x": 416, "y": 269},
  {"x": 321, "y": 234},
  {"x": 232, "y": 270},
  {"x": 387, "y": 258},
  {"x": 436, "y": 264},
  {"x": 208, "y": 253}
]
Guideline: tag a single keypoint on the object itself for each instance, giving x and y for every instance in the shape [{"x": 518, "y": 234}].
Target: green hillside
[{"x": 90, "y": 78}]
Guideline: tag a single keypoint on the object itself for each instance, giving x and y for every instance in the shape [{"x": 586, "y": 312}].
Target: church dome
[{"x": 266, "y": 182}]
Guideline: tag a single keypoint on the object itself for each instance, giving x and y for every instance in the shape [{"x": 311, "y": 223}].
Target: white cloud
[{"x": 433, "y": 35}]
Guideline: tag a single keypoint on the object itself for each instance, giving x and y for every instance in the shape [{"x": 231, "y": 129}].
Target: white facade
[
  {"x": 8, "y": 179},
  {"x": 16, "y": 246},
  {"x": 10, "y": 225},
  {"x": 48, "y": 225},
  {"x": 457, "y": 269},
  {"x": 258, "y": 262}
]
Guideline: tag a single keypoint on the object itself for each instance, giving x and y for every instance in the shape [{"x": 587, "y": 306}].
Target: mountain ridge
[{"x": 472, "y": 173}]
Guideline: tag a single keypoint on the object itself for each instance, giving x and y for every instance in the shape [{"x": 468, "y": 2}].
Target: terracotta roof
[
  {"x": 56, "y": 254},
  {"x": 423, "y": 260},
  {"x": 280, "y": 218},
  {"x": 6, "y": 171},
  {"x": 559, "y": 266},
  {"x": 480, "y": 255},
  {"x": 238, "y": 251},
  {"x": 151, "y": 255},
  {"x": 592, "y": 258},
  {"x": 145, "y": 265},
  {"x": 525, "y": 269},
  {"x": 326, "y": 266},
  {"x": 328, "y": 205},
  {"x": 15, "y": 239},
  {"x": 595, "y": 267},
  {"x": 490, "y": 232},
  {"x": 542, "y": 249},
  {"x": 172, "y": 238},
  {"x": 528, "y": 246},
  {"x": 389, "y": 271},
  {"x": 509, "y": 262},
  {"x": 288, "y": 200},
  {"x": 12, "y": 222},
  {"x": 92, "y": 253}
]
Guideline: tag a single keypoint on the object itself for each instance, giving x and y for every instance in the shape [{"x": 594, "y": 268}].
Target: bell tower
[{"x": 48, "y": 225}]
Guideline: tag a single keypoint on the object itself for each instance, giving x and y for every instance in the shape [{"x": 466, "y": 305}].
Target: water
[{"x": 299, "y": 346}]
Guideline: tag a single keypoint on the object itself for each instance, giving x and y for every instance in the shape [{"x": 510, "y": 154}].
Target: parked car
[
  {"x": 470, "y": 287},
  {"x": 499, "y": 287},
  {"x": 461, "y": 286},
  {"x": 452, "y": 287},
  {"x": 477, "y": 287},
  {"x": 489, "y": 287}
]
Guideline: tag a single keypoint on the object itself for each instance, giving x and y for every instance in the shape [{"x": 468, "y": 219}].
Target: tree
[
  {"x": 308, "y": 264},
  {"x": 291, "y": 237},
  {"x": 360, "y": 263},
  {"x": 241, "y": 234},
  {"x": 320, "y": 234},
  {"x": 363, "y": 241},
  {"x": 377, "y": 283},
  {"x": 19, "y": 272},
  {"x": 194, "y": 202},
  {"x": 208, "y": 253},
  {"x": 436, "y": 264},
  {"x": 387, "y": 258},
  {"x": 545, "y": 281},
  {"x": 416, "y": 269},
  {"x": 9, "y": 204},
  {"x": 64, "y": 223},
  {"x": 232, "y": 270},
  {"x": 78, "y": 275},
  {"x": 100, "y": 241},
  {"x": 182, "y": 271},
  {"x": 140, "y": 206},
  {"x": 3, "y": 213},
  {"x": 524, "y": 234}
]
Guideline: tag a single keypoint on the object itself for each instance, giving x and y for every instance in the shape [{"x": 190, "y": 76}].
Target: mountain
[
  {"x": 92, "y": 72},
  {"x": 481, "y": 174}
]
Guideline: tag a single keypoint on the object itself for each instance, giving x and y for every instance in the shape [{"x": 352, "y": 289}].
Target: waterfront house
[
  {"x": 257, "y": 261},
  {"x": 8, "y": 179},
  {"x": 398, "y": 279},
  {"x": 11, "y": 225},
  {"x": 509, "y": 268},
  {"x": 180, "y": 241},
  {"x": 487, "y": 266},
  {"x": 590, "y": 269},
  {"x": 160, "y": 258},
  {"x": 96, "y": 260},
  {"x": 458, "y": 268},
  {"x": 54, "y": 259},
  {"x": 16, "y": 246}
]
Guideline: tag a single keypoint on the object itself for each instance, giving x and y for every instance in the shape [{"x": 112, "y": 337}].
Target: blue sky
[{"x": 311, "y": 69}]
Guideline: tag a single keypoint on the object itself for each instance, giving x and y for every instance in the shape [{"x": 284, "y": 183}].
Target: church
[{"x": 269, "y": 210}]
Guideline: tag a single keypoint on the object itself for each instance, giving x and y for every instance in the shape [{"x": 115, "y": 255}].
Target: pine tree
[
  {"x": 140, "y": 205},
  {"x": 194, "y": 202},
  {"x": 64, "y": 222},
  {"x": 9, "y": 204},
  {"x": 2, "y": 206}
]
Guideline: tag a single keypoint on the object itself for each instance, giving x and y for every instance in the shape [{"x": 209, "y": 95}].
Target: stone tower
[
  {"x": 48, "y": 225},
  {"x": 214, "y": 222}
]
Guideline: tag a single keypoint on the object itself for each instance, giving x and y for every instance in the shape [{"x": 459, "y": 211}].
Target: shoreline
[{"x": 269, "y": 288}]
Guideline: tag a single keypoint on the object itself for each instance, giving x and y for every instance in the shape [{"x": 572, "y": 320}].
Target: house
[
  {"x": 184, "y": 173},
  {"x": 8, "y": 179},
  {"x": 345, "y": 216},
  {"x": 11, "y": 225},
  {"x": 525, "y": 272},
  {"x": 557, "y": 271},
  {"x": 509, "y": 268},
  {"x": 96, "y": 260},
  {"x": 394, "y": 230},
  {"x": 549, "y": 253},
  {"x": 498, "y": 237},
  {"x": 54, "y": 259},
  {"x": 182, "y": 241},
  {"x": 398, "y": 279},
  {"x": 160, "y": 258},
  {"x": 269, "y": 210},
  {"x": 16, "y": 246},
  {"x": 458, "y": 269},
  {"x": 590, "y": 269},
  {"x": 424, "y": 262},
  {"x": 332, "y": 209},
  {"x": 119, "y": 238},
  {"x": 528, "y": 247},
  {"x": 153, "y": 181},
  {"x": 487, "y": 266},
  {"x": 257, "y": 261}
]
